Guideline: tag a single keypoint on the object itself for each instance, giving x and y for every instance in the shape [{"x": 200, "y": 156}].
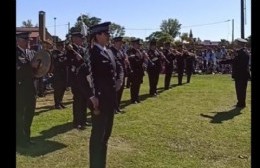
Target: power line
[
  {"x": 197, "y": 25},
  {"x": 206, "y": 24}
]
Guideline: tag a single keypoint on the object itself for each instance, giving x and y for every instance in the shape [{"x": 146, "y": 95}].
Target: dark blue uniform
[
  {"x": 121, "y": 58},
  {"x": 153, "y": 70},
  {"x": 104, "y": 73},
  {"x": 79, "y": 103},
  {"x": 59, "y": 77},
  {"x": 136, "y": 61},
  {"x": 168, "y": 68},
  {"x": 25, "y": 96},
  {"x": 189, "y": 66},
  {"x": 241, "y": 74},
  {"x": 180, "y": 67}
]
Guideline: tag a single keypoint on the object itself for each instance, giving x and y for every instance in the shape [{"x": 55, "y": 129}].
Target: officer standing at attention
[
  {"x": 25, "y": 90},
  {"x": 240, "y": 71},
  {"x": 59, "y": 74},
  {"x": 189, "y": 66},
  {"x": 180, "y": 59},
  {"x": 154, "y": 68},
  {"x": 136, "y": 60},
  {"x": 170, "y": 56},
  {"x": 75, "y": 55},
  {"x": 121, "y": 57},
  {"x": 104, "y": 80}
]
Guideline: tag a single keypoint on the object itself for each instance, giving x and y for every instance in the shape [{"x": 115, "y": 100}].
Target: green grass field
[{"x": 191, "y": 126}]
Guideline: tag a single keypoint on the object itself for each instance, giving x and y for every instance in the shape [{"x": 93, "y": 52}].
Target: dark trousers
[
  {"x": 180, "y": 75},
  {"x": 127, "y": 82},
  {"x": 134, "y": 89},
  {"x": 188, "y": 73},
  {"x": 59, "y": 90},
  {"x": 153, "y": 81},
  {"x": 41, "y": 87},
  {"x": 79, "y": 106},
  {"x": 101, "y": 130},
  {"x": 25, "y": 107},
  {"x": 167, "y": 79},
  {"x": 119, "y": 94},
  {"x": 241, "y": 85}
]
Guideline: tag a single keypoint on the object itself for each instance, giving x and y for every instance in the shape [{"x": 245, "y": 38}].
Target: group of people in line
[{"x": 97, "y": 78}]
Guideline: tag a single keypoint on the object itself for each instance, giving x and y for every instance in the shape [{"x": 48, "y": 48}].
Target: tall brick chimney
[{"x": 42, "y": 31}]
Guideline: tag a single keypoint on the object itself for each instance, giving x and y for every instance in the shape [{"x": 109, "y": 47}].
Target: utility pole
[
  {"x": 69, "y": 27},
  {"x": 232, "y": 30},
  {"x": 242, "y": 20}
]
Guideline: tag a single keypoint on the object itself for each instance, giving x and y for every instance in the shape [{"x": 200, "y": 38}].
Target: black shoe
[
  {"x": 240, "y": 105},
  {"x": 81, "y": 127},
  {"x": 58, "y": 107},
  {"x": 88, "y": 124},
  {"x": 62, "y": 105}
]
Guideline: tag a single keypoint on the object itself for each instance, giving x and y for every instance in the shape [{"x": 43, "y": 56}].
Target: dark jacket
[{"x": 104, "y": 73}]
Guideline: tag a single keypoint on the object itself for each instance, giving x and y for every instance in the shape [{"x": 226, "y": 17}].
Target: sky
[{"x": 208, "y": 19}]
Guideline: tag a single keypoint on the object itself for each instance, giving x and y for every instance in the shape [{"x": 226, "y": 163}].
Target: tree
[
  {"x": 161, "y": 37},
  {"x": 223, "y": 42},
  {"x": 171, "y": 26},
  {"x": 190, "y": 35},
  {"x": 184, "y": 37},
  {"x": 89, "y": 21},
  {"x": 116, "y": 30},
  {"x": 27, "y": 23}
]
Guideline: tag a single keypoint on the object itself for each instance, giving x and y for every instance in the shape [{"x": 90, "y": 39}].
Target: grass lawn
[{"x": 191, "y": 126}]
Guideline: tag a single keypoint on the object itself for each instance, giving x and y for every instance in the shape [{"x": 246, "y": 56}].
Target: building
[{"x": 35, "y": 35}]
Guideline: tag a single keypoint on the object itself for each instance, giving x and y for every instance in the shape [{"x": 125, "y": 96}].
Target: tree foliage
[
  {"x": 116, "y": 30},
  {"x": 184, "y": 37},
  {"x": 27, "y": 23},
  {"x": 191, "y": 34},
  {"x": 88, "y": 21},
  {"x": 171, "y": 26},
  {"x": 161, "y": 37},
  {"x": 223, "y": 42}
]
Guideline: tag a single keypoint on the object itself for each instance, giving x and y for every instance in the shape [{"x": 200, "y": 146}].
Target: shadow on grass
[
  {"x": 44, "y": 146},
  {"x": 41, "y": 148},
  {"x": 48, "y": 108},
  {"x": 143, "y": 97},
  {"x": 219, "y": 117}
]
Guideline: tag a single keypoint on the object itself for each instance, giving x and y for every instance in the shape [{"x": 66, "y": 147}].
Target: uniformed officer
[
  {"x": 121, "y": 57},
  {"x": 170, "y": 56},
  {"x": 136, "y": 60},
  {"x": 180, "y": 58},
  {"x": 240, "y": 71},
  {"x": 25, "y": 90},
  {"x": 59, "y": 74},
  {"x": 189, "y": 64},
  {"x": 104, "y": 81},
  {"x": 154, "y": 68},
  {"x": 75, "y": 55}
]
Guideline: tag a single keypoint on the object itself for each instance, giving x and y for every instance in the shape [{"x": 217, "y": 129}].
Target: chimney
[{"x": 42, "y": 32}]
